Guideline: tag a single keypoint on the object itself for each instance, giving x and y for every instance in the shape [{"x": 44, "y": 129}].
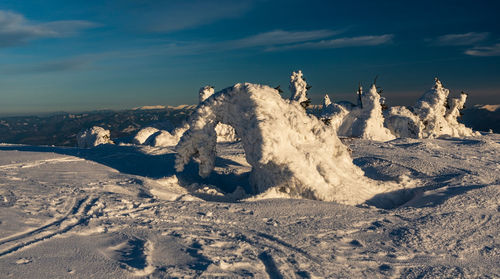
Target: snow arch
[{"x": 290, "y": 152}]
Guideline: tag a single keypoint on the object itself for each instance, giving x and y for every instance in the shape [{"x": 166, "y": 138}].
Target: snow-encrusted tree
[
  {"x": 299, "y": 87},
  {"x": 431, "y": 110},
  {"x": 332, "y": 114},
  {"x": 433, "y": 115},
  {"x": 454, "y": 112},
  {"x": 326, "y": 101},
  {"x": 366, "y": 121},
  {"x": 93, "y": 137},
  {"x": 403, "y": 123},
  {"x": 225, "y": 133},
  {"x": 205, "y": 92},
  {"x": 291, "y": 153},
  {"x": 161, "y": 138}
]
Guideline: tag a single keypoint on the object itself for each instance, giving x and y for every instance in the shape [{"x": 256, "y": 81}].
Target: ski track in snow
[{"x": 78, "y": 217}]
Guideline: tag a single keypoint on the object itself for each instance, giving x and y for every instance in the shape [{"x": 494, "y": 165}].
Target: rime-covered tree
[{"x": 299, "y": 87}]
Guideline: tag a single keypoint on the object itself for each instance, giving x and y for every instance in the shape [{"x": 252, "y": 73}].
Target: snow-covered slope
[{"x": 123, "y": 212}]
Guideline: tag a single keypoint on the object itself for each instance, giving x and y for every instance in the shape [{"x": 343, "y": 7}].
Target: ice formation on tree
[
  {"x": 290, "y": 152},
  {"x": 326, "y": 101},
  {"x": 298, "y": 87},
  {"x": 93, "y": 137},
  {"x": 333, "y": 114},
  {"x": 225, "y": 133},
  {"x": 161, "y": 138},
  {"x": 403, "y": 123},
  {"x": 144, "y": 134},
  {"x": 432, "y": 113},
  {"x": 205, "y": 92},
  {"x": 366, "y": 120}
]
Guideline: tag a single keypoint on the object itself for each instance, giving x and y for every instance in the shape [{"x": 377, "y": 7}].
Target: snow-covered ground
[{"x": 122, "y": 211}]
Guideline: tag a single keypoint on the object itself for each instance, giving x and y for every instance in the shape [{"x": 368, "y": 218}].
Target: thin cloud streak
[
  {"x": 485, "y": 51},
  {"x": 281, "y": 37},
  {"x": 170, "y": 16},
  {"x": 276, "y": 39},
  {"x": 339, "y": 43},
  {"x": 64, "y": 65},
  {"x": 461, "y": 39},
  {"x": 16, "y": 30}
]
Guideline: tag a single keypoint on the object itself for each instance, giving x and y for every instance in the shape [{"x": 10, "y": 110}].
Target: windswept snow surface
[
  {"x": 291, "y": 153},
  {"x": 123, "y": 212}
]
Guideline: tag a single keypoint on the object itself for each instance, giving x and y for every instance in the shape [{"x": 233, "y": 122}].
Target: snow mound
[
  {"x": 161, "y": 139},
  {"x": 144, "y": 134},
  {"x": 93, "y": 137},
  {"x": 164, "y": 138},
  {"x": 291, "y": 153}
]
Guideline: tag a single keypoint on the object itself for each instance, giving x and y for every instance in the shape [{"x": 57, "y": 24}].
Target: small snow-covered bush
[
  {"x": 291, "y": 153},
  {"x": 93, "y": 137}
]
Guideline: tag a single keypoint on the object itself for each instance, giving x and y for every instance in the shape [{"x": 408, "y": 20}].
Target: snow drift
[
  {"x": 291, "y": 153},
  {"x": 93, "y": 137}
]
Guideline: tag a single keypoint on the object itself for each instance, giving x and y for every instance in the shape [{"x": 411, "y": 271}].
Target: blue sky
[{"x": 84, "y": 55}]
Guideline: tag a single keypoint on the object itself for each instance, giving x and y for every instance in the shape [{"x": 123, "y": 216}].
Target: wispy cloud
[
  {"x": 63, "y": 65},
  {"x": 280, "y": 37},
  {"x": 493, "y": 50},
  {"x": 272, "y": 40},
  {"x": 461, "y": 39},
  {"x": 339, "y": 43},
  {"x": 15, "y": 29},
  {"x": 262, "y": 40},
  {"x": 174, "y": 15}
]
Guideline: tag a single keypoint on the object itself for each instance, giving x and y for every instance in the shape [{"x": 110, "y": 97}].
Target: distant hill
[
  {"x": 482, "y": 118},
  {"x": 61, "y": 129}
]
